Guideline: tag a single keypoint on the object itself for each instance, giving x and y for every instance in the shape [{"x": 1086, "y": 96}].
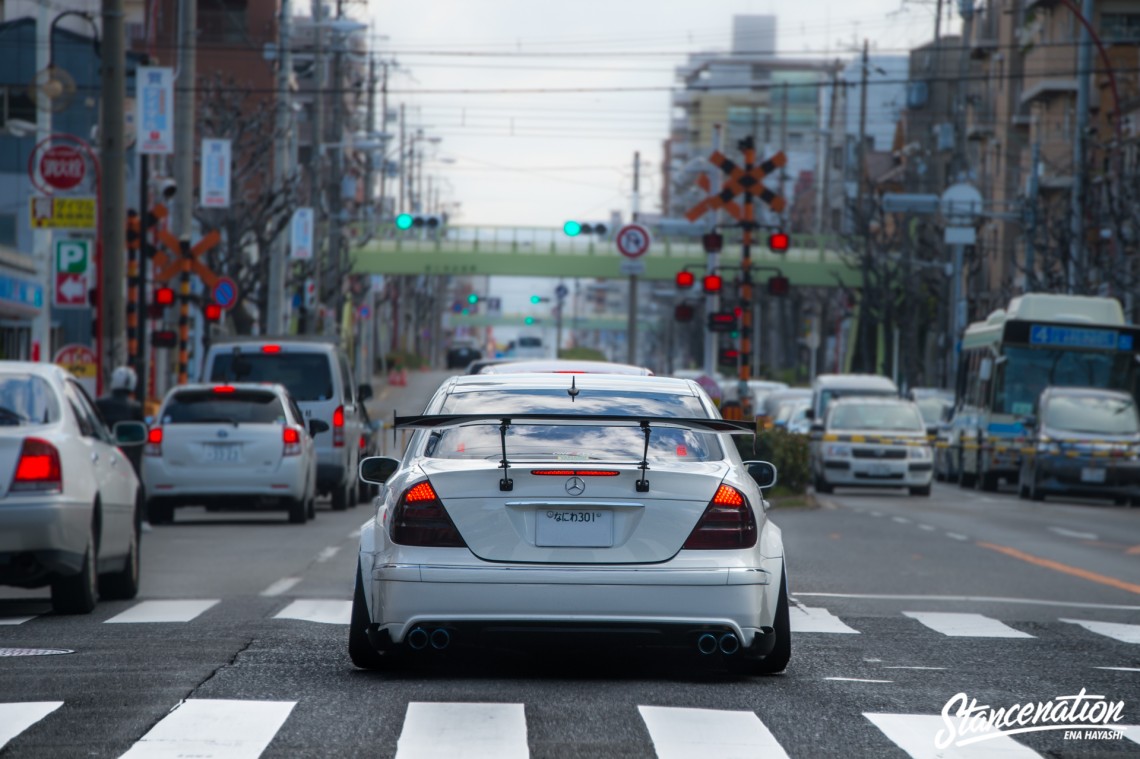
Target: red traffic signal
[
  {"x": 683, "y": 312},
  {"x": 728, "y": 355},
  {"x": 713, "y": 242},
  {"x": 722, "y": 321},
  {"x": 166, "y": 338},
  {"x": 712, "y": 283},
  {"x": 779, "y": 286},
  {"x": 164, "y": 296},
  {"x": 779, "y": 242},
  {"x": 212, "y": 312},
  {"x": 685, "y": 279}
]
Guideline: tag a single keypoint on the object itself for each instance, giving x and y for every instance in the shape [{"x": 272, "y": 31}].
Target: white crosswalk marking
[
  {"x": 916, "y": 735},
  {"x": 317, "y": 610},
  {"x": 965, "y": 625},
  {"x": 806, "y": 619},
  {"x": 679, "y": 733},
  {"x": 16, "y": 718},
  {"x": 213, "y": 729},
  {"x": 163, "y": 611},
  {"x": 1131, "y": 732},
  {"x": 463, "y": 731},
  {"x": 14, "y": 620},
  {"x": 1119, "y": 631}
]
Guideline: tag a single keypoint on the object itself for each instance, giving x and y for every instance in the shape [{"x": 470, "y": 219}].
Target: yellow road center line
[{"x": 1065, "y": 568}]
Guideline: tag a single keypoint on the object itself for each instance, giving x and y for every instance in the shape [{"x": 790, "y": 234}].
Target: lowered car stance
[{"x": 582, "y": 507}]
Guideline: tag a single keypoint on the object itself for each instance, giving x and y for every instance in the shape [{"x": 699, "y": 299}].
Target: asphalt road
[{"x": 236, "y": 646}]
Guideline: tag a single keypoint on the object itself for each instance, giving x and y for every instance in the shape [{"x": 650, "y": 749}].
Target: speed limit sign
[{"x": 632, "y": 240}]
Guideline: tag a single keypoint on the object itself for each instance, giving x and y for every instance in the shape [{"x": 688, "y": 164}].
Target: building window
[
  {"x": 8, "y": 229},
  {"x": 1120, "y": 27},
  {"x": 223, "y": 21}
]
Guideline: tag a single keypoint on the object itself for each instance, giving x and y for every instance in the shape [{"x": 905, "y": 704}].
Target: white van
[
  {"x": 827, "y": 387},
  {"x": 318, "y": 376}
]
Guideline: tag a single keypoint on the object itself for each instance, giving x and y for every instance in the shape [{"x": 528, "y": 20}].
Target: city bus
[{"x": 1040, "y": 340}]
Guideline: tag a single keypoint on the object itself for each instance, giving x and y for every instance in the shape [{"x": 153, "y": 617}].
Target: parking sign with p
[{"x": 72, "y": 264}]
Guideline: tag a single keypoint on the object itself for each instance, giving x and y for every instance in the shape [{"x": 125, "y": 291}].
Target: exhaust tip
[
  {"x": 729, "y": 644},
  {"x": 706, "y": 643},
  {"x": 418, "y": 639},
  {"x": 440, "y": 639}
]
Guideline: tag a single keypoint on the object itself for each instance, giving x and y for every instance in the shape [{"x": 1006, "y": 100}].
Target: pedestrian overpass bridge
[{"x": 542, "y": 252}]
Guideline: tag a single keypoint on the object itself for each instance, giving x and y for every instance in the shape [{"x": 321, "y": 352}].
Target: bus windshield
[{"x": 1028, "y": 371}]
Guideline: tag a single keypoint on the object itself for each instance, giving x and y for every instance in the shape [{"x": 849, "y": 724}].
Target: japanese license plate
[
  {"x": 880, "y": 470},
  {"x": 223, "y": 452},
  {"x": 1093, "y": 474},
  {"x": 579, "y": 528}
]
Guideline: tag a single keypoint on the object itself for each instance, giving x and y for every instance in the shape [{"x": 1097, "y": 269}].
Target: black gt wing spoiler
[{"x": 440, "y": 421}]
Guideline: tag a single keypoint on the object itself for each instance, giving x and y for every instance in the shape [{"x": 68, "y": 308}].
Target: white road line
[
  {"x": 901, "y": 520},
  {"x": 1131, "y": 732},
  {"x": 956, "y": 536},
  {"x": 281, "y": 587},
  {"x": 876, "y": 513},
  {"x": 471, "y": 731},
  {"x": 905, "y": 667},
  {"x": 1073, "y": 533},
  {"x": 680, "y": 733},
  {"x": 1121, "y": 669},
  {"x": 317, "y": 610},
  {"x": 806, "y": 619},
  {"x": 965, "y": 625},
  {"x": 856, "y": 680},
  {"x": 18, "y": 717},
  {"x": 1116, "y": 630},
  {"x": 927, "y": 527},
  {"x": 328, "y": 553},
  {"x": 972, "y": 599},
  {"x": 354, "y": 534},
  {"x": 916, "y": 733},
  {"x": 15, "y": 620},
  {"x": 162, "y": 611},
  {"x": 209, "y": 729}
]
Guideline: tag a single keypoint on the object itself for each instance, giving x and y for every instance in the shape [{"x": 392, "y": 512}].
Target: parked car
[
  {"x": 767, "y": 411},
  {"x": 461, "y": 353},
  {"x": 231, "y": 446},
  {"x": 1082, "y": 442},
  {"x": 872, "y": 442},
  {"x": 317, "y": 375},
  {"x": 634, "y": 520},
  {"x": 70, "y": 503}
]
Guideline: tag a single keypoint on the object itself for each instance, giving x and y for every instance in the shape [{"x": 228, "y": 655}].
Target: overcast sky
[{"x": 517, "y": 148}]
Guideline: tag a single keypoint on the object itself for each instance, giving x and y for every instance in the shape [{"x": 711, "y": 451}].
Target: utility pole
[
  {"x": 631, "y": 320},
  {"x": 1031, "y": 218},
  {"x": 1077, "y": 211},
  {"x": 42, "y": 348},
  {"x": 316, "y": 162},
  {"x": 403, "y": 162},
  {"x": 784, "y": 150},
  {"x": 184, "y": 102},
  {"x": 275, "y": 313},
  {"x": 862, "y": 217},
  {"x": 383, "y": 195},
  {"x": 370, "y": 164},
  {"x": 827, "y": 136},
  {"x": 113, "y": 159},
  {"x": 712, "y": 260},
  {"x": 334, "y": 265}
]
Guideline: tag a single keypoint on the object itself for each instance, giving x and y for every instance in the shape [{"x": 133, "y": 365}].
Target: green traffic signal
[
  {"x": 529, "y": 320},
  {"x": 572, "y": 228},
  {"x": 472, "y": 298},
  {"x": 535, "y": 299},
  {"x": 404, "y": 221}
]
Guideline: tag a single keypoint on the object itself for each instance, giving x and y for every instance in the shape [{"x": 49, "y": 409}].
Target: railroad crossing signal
[{"x": 747, "y": 180}]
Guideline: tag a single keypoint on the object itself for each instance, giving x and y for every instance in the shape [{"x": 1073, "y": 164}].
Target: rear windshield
[
  {"x": 827, "y": 396},
  {"x": 882, "y": 417},
  {"x": 206, "y": 406},
  {"x": 306, "y": 375},
  {"x": 1093, "y": 414},
  {"x": 26, "y": 399},
  {"x": 587, "y": 402},
  {"x": 569, "y": 443}
]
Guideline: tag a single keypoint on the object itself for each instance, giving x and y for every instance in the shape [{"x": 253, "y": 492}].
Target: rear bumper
[
  {"x": 872, "y": 474},
  {"x": 287, "y": 481},
  {"x": 1062, "y": 474},
  {"x": 40, "y": 539}
]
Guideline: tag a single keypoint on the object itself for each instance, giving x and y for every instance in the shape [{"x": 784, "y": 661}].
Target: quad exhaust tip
[
  {"x": 440, "y": 639},
  {"x": 707, "y": 644},
  {"x": 729, "y": 644},
  {"x": 418, "y": 639}
]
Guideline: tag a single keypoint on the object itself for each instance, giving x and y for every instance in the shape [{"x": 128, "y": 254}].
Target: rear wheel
[
  {"x": 1035, "y": 491},
  {"x": 298, "y": 510},
  {"x": 360, "y": 650},
  {"x": 124, "y": 584},
  {"x": 987, "y": 481},
  {"x": 921, "y": 490},
  {"x": 77, "y": 593},
  {"x": 340, "y": 498},
  {"x": 160, "y": 512},
  {"x": 776, "y": 661},
  {"x": 822, "y": 485}
]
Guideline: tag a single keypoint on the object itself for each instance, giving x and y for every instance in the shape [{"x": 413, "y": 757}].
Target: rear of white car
[
  {"x": 229, "y": 446},
  {"x": 588, "y": 531}
]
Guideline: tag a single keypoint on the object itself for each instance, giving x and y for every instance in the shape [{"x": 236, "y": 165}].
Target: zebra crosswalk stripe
[
  {"x": 468, "y": 730},
  {"x": 213, "y": 729},
  {"x": 806, "y": 619},
  {"x": 18, "y": 717},
  {"x": 318, "y": 610},
  {"x": 680, "y": 733},
  {"x": 916, "y": 735},
  {"x": 1116, "y": 630},
  {"x": 958, "y": 625},
  {"x": 163, "y": 611}
]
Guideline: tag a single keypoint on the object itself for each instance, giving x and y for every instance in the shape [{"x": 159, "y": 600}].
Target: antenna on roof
[{"x": 573, "y": 391}]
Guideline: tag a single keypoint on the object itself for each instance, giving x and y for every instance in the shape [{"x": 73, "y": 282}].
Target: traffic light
[
  {"x": 574, "y": 228},
  {"x": 683, "y": 312},
  {"x": 164, "y": 338},
  {"x": 712, "y": 242},
  {"x": 712, "y": 283},
  {"x": 536, "y": 299},
  {"x": 722, "y": 321},
  {"x": 728, "y": 356},
  {"x": 212, "y": 312},
  {"x": 164, "y": 296},
  {"x": 685, "y": 279},
  {"x": 530, "y": 320},
  {"x": 779, "y": 242},
  {"x": 778, "y": 286},
  {"x": 134, "y": 230},
  {"x": 473, "y": 298},
  {"x": 417, "y": 221}
]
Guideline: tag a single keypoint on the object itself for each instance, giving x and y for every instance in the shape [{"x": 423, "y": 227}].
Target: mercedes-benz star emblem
[
  {"x": 575, "y": 486},
  {"x": 223, "y": 433}
]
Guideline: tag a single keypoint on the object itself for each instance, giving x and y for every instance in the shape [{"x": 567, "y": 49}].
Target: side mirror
[
  {"x": 377, "y": 469},
  {"x": 364, "y": 392},
  {"x": 317, "y": 426},
  {"x": 762, "y": 472},
  {"x": 129, "y": 433},
  {"x": 809, "y": 414}
]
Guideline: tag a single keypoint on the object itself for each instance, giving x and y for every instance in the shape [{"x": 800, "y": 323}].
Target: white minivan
[{"x": 318, "y": 376}]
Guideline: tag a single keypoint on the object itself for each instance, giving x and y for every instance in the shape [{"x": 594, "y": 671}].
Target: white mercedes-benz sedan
[{"x": 583, "y": 506}]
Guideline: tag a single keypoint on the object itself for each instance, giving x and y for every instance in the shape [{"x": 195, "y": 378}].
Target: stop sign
[{"x": 62, "y": 167}]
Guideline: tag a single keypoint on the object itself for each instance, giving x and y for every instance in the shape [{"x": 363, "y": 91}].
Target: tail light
[
  {"x": 38, "y": 468},
  {"x": 421, "y": 520},
  {"x": 728, "y": 522},
  {"x": 291, "y": 437},
  {"x": 363, "y": 442},
  {"x": 338, "y": 427},
  {"x": 153, "y": 442}
]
